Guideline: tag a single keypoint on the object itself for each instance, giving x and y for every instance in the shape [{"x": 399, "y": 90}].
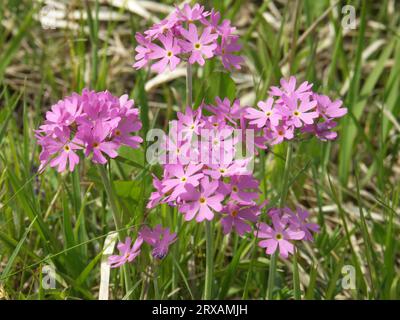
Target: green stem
[
  {"x": 285, "y": 184},
  {"x": 284, "y": 192},
  {"x": 245, "y": 295},
  {"x": 189, "y": 86},
  {"x": 209, "y": 263},
  {"x": 271, "y": 276},
  {"x": 112, "y": 201},
  {"x": 155, "y": 281},
  {"x": 296, "y": 277},
  {"x": 117, "y": 219}
]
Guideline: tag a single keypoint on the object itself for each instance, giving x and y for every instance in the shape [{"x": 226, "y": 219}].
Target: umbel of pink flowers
[
  {"x": 290, "y": 111},
  {"x": 190, "y": 34},
  {"x": 158, "y": 238},
  {"x": 96, "y": 123},
  {"x": 204, "y": 190}
]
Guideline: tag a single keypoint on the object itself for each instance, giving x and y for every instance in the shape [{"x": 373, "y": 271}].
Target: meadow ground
[{"x": 61, "y": 222}]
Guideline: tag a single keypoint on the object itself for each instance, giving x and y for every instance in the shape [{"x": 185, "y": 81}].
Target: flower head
[
  {"x": 238, "y": 216},
  {"x": 328, "y": 109},
  {"x": 299, "y": 220},
  {"x": 226, "y": 49},
  {"x": 167, "y": 55},
  {"x": 159, "y": 238},
  {"x": 198, "y": 46},
  {"x": 201, "y": 202},
  {"x": 267, "y": 114},
  {"x": 127, "y": 252},
  {"x": 298, "y": 111},
  {"x": 189, "y": 34},
  {"x": 288, "y": 88},
  {"x": 96, "y": 122},
  {"x": 278, "y": 237}
]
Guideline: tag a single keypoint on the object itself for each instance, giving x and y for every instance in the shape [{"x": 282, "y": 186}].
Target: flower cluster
[
  {"x": 190, "y": 34},
  {"x": 159, "y": 239},
  {"x": 203, "y": 174},
  {"x": 291, "y": 110},
  {"x": 96, "y": 122},
  {"x": 286, "y": 227}
]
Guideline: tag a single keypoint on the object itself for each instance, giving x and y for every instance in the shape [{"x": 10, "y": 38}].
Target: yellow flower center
[
  {"x": 169, "y": 54},
  {"x": 67, "y": 148},
  {"x": 202, "y": 200},
  {"x": 235, "y": 189},
  {"x": 95, "y": 145},
  {"x": 117, "y": 132},
  {"x": 183, "y": 179},
  {"x": 296, "y": 113},
  {"x": 197, "y": 46},
  {"x": 268, "y": 113},
  {"x": 234, "y": 213},
  {"x": 279, "y": 236}
]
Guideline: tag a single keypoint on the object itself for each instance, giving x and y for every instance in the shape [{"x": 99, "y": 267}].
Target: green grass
[{"x": 351, "y": 185}]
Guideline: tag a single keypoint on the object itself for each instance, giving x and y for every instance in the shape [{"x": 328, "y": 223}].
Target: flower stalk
[
  {"x": 117, "y": 219},
  {"x": 284, "y": 192},
  {"x": 112, "y": 201},
  {"x": 209, "y": 262},
  {"x": 189, "y": 86}
]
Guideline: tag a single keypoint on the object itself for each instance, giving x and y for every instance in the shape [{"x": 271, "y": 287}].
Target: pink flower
[
  {"x": 126, "y": 252},
  {"x": 159, "y": 238},
  {"x": 65, "y": 150},
  {"x": 322, "y": 130},
  {"x": 142, "y": 51},
  {"x": 200, "y": 203},
  {"x": 280, "y": 133},
  {"x": 267, "y": 114},
  {"x": 63, "y": 114},
  {"x": 288, "y": 88},
  {"x": 192, "y": 14},
  {"x": 242, "y": 188},
  {"x": 298, "y": 111},
  {"x": 278, "y": 237},
  {"x": 190, "y": 122},
  {"x": 299, "y": 221},
  {"x": 328, "y": 109},
  {"x": 95, "y": 121},
  {"x": 162, "y": 27},
  {"x": 177, "y": 148},
  {"x": 226, "y": 110},
  {"x": 167, "y": 55},
  {"x": 170, "y": 42},
  {"x": 179, "y": 178},
  {"x": 226, "y": 168},
  {"x": 157, "y": 195},
  {"x": 225, "y": 50},
  {"x": 238, "y": 218},
  {"x": 95, "y": 141},
  {"x": 198, "y": 46}
]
